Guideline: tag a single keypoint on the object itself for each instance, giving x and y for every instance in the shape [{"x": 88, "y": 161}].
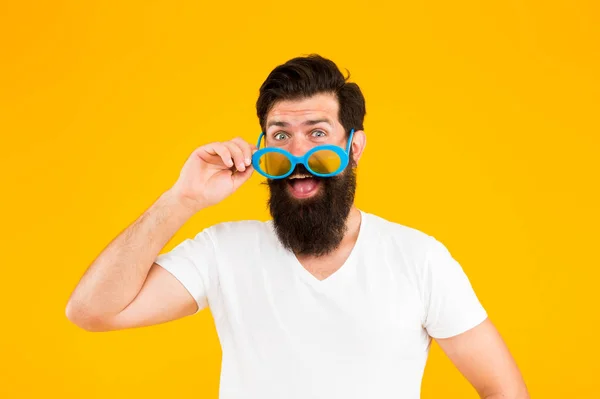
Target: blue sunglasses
[{"x": 323, "y": 160}]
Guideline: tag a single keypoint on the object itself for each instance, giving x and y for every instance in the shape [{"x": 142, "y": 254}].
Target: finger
[
  {"x": 237, "y": 154},
  {"x": 220, "y": 150},
  {"x": 240, "y": 178},
  {"x": 246, "y": 149}
]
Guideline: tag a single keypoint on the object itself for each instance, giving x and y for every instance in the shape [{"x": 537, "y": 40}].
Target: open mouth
[{"x": 303, "y": 185}]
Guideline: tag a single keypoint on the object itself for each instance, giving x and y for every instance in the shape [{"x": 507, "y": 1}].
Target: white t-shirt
[{"x": 363, "y": 332}]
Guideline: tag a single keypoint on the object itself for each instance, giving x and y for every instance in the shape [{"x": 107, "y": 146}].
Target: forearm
[{"x": 117, "y": 275}]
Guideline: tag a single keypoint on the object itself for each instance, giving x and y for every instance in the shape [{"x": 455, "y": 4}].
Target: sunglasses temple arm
[
  {"x": 349, "y": 141},
  {"x": 260, "y": 139}
]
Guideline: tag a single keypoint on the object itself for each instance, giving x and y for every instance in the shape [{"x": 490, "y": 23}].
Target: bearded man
[{"x": 322, "y": 301}]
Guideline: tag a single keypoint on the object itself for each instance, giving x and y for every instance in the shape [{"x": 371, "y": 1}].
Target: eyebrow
[{"x": 306, "y": 123}]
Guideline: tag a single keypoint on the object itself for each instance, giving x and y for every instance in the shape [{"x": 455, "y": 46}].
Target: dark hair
[{"x": 303, "y": 77}]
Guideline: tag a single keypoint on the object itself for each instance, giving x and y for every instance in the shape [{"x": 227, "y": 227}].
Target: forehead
[{"x": 294, "y": 112}]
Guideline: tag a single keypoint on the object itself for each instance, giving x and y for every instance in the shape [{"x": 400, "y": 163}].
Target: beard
[{"x": 315, "y": 225}]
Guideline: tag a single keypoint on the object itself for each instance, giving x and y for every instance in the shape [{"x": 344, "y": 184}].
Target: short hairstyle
[{"x": 304, "y": 77}]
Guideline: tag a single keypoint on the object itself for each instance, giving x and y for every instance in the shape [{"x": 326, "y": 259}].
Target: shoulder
[
  {"x": 399, "y": 240},
  {"x": 241, "y": 242},
  {"x": 396, "y": 233},
  {"x": 238, "y": 229},
  {"x": 239, "y": 232}
]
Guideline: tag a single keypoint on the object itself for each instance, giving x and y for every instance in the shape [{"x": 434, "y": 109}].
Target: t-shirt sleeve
[
  {"x": 191, "y": 262},
  {"x": 451, "y": 305}
]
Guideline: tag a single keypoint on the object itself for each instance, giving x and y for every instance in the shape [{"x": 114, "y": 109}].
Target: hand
[{"x": 213, "y": 172}]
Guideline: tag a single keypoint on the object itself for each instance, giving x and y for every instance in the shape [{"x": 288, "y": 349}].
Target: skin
[{"x": 123, "y": 288}]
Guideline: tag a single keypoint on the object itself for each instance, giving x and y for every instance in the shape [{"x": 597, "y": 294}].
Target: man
[{"x": 322, "y": 301}]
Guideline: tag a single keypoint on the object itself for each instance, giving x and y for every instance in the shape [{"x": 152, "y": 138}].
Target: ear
[{"x": 359, "y": 141}]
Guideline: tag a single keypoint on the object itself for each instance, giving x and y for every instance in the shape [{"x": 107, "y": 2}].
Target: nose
[{"x": 299, "y": 146}]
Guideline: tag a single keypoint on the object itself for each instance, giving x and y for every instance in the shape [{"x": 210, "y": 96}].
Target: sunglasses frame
[{"x": 294, "y": 160}]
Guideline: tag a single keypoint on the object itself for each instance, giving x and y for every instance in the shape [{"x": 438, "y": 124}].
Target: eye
[
  {"x": 319, "y": 133},
  {"x": 280, "y": 136}
]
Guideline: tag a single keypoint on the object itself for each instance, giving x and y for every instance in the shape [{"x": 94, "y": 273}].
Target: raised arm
[{"x": 124, "y": 287}]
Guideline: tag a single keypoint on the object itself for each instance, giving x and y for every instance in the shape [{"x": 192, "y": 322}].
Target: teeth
[{"x": 300, "y": 176}]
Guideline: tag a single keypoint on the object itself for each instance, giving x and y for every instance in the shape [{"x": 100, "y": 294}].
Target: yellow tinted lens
[
  {"x": 324, "y": 161},
  {"x": 275, "y": 163}
]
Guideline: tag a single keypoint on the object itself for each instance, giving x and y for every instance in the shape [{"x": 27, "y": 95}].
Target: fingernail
[{"x": 248, "y": 161}]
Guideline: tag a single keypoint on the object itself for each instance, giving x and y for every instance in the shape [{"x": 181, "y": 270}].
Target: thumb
[{"x": 240, "y": 178}]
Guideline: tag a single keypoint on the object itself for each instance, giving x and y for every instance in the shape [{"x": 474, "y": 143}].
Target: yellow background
[{"x": 483, "y": 124}]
